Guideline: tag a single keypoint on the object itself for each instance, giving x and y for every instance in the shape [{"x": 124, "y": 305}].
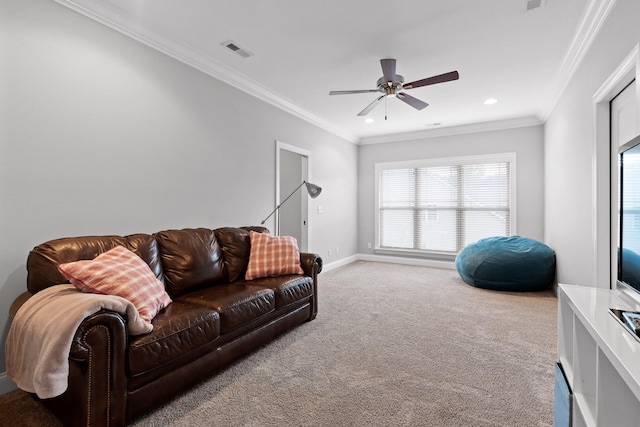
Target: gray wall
[
  {"x": 576, "y": 171},
  {"x": 526, "y": 142},
  {"x": 100, "y": 134}
]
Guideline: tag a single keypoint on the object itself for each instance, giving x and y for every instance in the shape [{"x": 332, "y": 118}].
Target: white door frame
[
  {"x": 280, "y": 146},
  {"x": 604, "y": 165}
]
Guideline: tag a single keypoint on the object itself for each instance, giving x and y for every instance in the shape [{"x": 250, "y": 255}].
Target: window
[{"x": 440, "y": 206}]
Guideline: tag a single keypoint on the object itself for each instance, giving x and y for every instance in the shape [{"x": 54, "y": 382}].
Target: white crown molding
[
  {"x": 594, "y": 18},
  {"x": 201, "y": 62},
  {"x": 453, "y": 130},
  {"x": 621, "y": 76},
  {"x": 595, "y": 15}
]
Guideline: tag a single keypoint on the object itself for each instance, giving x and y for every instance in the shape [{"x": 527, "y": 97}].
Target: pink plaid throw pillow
[
  {"x": 120, "y": 272},
  {"x": 272, "y": 256}
]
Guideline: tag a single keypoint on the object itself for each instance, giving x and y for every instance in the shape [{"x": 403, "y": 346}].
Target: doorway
[{"x": 292, "y": 219}]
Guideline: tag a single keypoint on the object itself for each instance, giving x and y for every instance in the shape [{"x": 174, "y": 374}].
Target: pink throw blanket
[{"x": 39, "y": 340}]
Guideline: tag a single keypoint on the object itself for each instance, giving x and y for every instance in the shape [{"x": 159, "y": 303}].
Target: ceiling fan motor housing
[{"x": 390, "y": 88}]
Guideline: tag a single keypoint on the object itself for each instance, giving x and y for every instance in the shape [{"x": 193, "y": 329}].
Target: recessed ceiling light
[
  {"x": 369, "y": 120},
  {"x": 490, "y": 101}
]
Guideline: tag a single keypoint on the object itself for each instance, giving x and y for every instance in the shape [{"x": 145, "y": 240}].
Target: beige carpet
[{"x": 393, "y": 345}]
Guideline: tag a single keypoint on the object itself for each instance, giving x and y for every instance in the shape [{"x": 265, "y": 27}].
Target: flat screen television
[{"x": 628, "y": 274}]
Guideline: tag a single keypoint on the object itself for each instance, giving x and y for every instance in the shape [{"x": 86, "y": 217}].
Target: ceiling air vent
[
  {"x": 530, "y": 5},
  {"x": 232, "y": 46}
]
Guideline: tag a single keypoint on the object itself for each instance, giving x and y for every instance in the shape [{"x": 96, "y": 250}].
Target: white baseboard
[
  {"x": 390, "y": 259},
  {"x": 6, "y": 385},
  {"x": 344, "y": 261},
  {"x": 408, "y": 261}
]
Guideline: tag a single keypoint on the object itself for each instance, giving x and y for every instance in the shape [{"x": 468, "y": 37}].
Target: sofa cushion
[
  {"x": 191, "y": 259},
  {"x": 43, "y": 260},
  {"x": 120, "y": 272},
  {"x": 237, "y": 303},
  {"x": 236, "y": 247},
  {"x": 179, "y": 330},
  {"x": 146, "y": 247},
  {"x": 272, "y": 256},
  {"x": 288, "y": 289}
]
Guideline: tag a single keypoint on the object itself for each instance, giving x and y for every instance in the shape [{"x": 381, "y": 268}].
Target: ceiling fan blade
[
  {"x": 388, "y": 69},
  {"x": 414, "y": 102},
  {"x": 371, "y": 106},
  {"x": 349, "y": 92},
  {"x": 446, "y": 77}
]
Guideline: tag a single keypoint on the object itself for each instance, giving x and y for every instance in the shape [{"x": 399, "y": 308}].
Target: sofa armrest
[
  {"x": 311, "y": 264},
  {"x": 97, "y": 389},
  {"x": 18, "y": 302}
]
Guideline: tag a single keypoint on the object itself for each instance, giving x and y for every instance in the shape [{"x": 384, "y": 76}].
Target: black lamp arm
[{"x": 281, "y": 203}]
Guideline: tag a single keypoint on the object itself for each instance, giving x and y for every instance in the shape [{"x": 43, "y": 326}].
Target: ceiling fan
[{"x": 392, "y": 84}]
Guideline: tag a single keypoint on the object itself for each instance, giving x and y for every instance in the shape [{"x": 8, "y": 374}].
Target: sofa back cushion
[
  {"x": 43, "y": 260},
  {"x": 120, "y": 272},
  {"x": 191, "y": 259},
  {"x": 236, "y": 247}
]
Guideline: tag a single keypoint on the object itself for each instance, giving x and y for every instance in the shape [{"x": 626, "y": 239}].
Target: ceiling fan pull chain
[{"x": 385, "y": 107}]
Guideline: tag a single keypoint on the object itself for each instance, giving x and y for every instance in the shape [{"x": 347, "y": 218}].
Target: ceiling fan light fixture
[{"x": 369, "y": 120}]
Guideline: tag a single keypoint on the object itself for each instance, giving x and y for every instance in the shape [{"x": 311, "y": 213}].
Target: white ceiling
[{"x": 303, "y": 49}]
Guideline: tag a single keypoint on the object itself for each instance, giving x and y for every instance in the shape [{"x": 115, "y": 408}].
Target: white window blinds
[{"x": 442, "y": 208}]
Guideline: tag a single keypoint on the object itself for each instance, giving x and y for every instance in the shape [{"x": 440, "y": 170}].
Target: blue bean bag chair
[{"x": 507, "y": 264}]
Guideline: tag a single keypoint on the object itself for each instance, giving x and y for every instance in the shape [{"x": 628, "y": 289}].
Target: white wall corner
[{"x": 594, "y": 18}]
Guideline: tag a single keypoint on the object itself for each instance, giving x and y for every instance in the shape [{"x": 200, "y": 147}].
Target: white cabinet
[{"x": 600, "y": 358}]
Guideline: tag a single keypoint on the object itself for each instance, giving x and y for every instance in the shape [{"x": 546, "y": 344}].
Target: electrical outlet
[
  {"x": 329, "y": 252},
  {"x": 369, "y": 245},
  {"x": 337, "y": 250}
]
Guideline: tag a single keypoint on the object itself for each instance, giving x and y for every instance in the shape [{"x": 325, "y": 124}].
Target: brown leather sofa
[{"x": 215, "y": 318}]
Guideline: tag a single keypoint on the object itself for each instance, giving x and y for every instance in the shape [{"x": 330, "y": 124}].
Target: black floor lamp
[{"x": 313, "y": 190}]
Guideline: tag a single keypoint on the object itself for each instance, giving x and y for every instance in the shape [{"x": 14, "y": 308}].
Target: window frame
[{"x": 434, "y": 162}]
